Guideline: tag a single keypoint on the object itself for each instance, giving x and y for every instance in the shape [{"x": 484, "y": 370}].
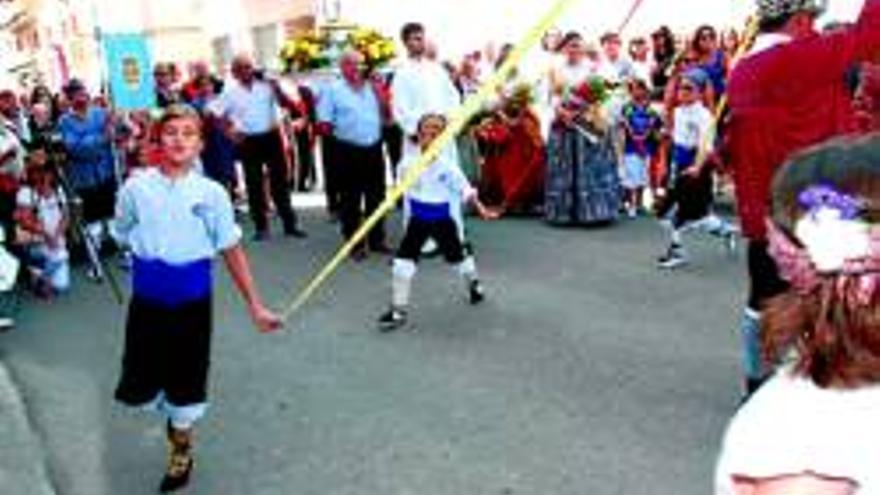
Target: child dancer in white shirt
[
  {"x": 175, "y": 222},
  {"x": 431, "y": 201}
]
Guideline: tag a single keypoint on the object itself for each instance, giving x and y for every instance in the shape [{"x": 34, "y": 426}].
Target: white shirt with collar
[
  {"x": 177, "y": 221},
  {"x": 766, "y": 41},
  {"x": 421, "y": 87},
  {"x": 442, "y": 182},
  {"x": 252, "y": 110}
]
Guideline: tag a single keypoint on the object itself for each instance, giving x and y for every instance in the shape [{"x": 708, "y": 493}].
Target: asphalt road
[{"x": 586, "y": 372}]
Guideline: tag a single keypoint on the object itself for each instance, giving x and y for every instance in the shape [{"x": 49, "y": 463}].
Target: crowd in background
[{"x": 64, "y": 153}]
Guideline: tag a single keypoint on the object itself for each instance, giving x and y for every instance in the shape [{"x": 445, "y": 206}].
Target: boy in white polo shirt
[{"x": 175, "y": 222}]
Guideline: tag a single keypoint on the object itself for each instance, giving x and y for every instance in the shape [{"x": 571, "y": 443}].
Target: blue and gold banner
[{"x": 130, "y": 71}]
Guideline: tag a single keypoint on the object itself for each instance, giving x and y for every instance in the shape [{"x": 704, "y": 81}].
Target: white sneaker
[
  {"x": 6, "y": 323},
  {"x": 675, "y": 257}
]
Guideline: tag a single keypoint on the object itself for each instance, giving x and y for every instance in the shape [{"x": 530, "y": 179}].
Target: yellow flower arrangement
[
  {"x": 317, "y": 50},
  {"x": 376, "y": 48},
  {"x": 305, "y": 52}
]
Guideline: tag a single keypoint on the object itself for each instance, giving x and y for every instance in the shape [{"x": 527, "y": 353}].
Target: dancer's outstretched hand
[
  {"x": 264, "y": 319},
  {"x": 488, "y": 213}
]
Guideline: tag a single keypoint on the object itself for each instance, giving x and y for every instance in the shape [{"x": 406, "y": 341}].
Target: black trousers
[
  {"x": 692, "y": 196},
  {"x": 361, "y": 174},
  {"x": 331, "y": 174},
  {"x": 166, "y": 350},
  {"x": 444, "y": 232},
  {"x": 258, "y": 152},
  {"x": 305, "y": 161},
  {"x": 765, "y": 281},
  {"x": 392, "y": 137}
]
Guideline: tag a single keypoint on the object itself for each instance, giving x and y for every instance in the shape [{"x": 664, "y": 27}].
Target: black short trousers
[
  {"x": 444, "y": 232},
  {"x": 166, "y": 350}
]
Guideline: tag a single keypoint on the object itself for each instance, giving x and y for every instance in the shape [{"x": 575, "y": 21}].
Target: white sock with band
[{"x": 403, "y": 271}]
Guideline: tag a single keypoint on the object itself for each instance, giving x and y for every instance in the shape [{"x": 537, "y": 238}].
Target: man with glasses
[{"x": 163, "y": 76}]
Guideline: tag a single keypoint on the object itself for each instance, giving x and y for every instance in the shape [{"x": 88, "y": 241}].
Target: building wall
[
  {"x": 256, "y": 27},
  {"x": 57, "y": 38},
  {"x": 46, "y": 41}
]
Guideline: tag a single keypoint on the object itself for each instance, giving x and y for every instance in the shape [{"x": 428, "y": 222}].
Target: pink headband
[{"x": 858, "y": 280}]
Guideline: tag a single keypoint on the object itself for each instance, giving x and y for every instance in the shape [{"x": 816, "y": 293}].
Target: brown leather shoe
[{"x": 180, "y": 460}]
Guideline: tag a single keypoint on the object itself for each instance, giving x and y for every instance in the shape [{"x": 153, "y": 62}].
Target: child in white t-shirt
[
  {"x": 689, "y": 202},
  {"x": 42, "y": 219}
]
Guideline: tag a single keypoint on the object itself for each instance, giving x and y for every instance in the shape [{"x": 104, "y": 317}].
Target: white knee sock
[
  {"x": 403, "y": 272},
  {"x": 673, "y": 233},
  {"x": 467, "y": 269}
]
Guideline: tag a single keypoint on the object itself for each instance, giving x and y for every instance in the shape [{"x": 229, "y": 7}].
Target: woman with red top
[
  {"x": 514, "y": 167},
  {"x": 788, "y": 94}
]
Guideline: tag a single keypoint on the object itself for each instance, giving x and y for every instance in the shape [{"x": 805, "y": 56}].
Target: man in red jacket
[{"x": 788, "y": 94}]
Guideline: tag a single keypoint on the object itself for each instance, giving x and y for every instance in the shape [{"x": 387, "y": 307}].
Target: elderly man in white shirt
[
  {"x": 350, "y": 110},
  {"x": 251, "y": 107}
]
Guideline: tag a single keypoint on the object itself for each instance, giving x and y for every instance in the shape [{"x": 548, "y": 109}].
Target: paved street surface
[{"x": 587, "y": 372}]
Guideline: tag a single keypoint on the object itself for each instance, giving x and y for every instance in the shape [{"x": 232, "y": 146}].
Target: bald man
[
  {"x": 251, "y": 108},
  {"x": 350, "y": 110}
]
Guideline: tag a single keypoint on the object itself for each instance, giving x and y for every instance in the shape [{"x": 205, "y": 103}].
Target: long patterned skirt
[{"x": 583, "y": 186}]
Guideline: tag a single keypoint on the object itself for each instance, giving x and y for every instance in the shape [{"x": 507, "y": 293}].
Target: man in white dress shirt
[
  {"x": 251, "y": 106},
  {"x": 420, "y": 86},
  {"x": 616, "y": 67}
]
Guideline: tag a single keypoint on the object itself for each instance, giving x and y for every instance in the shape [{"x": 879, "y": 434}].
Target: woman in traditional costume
[{"x": 582, "y": 181}]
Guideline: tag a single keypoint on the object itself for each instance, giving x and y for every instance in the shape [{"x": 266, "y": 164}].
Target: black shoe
[
  {"x": 295, "y": 232},
  {"x": 180, "y": 460},
  {"x": 674, "y": 257},
  {"x": 6, "y": 324},
  {"x": 358, "y": 255},
  {"x": 261, "y": 236},
  {"x": 392, "y": 320},
  {"x": 173, "y": 483},
  {"x": 477, "y": 293}
]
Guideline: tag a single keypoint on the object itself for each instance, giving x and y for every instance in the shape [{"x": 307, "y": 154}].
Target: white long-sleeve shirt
[
  {"x": 421, "y": 87},
  {"x": 443, "y": 185}
]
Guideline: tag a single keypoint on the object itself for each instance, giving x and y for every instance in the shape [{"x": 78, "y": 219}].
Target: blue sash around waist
[
  {"x": 429, "y": 212},
  {"x": 170, "y": 284},
  {"x": 683, "y": 156}
]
